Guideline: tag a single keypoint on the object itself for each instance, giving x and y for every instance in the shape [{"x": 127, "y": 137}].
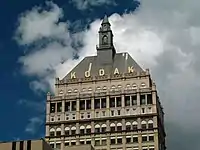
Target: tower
[{"x": 107, "y": 101}]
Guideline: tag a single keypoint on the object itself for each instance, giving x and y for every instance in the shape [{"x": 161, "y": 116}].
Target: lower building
[{"x": 40, "y": 144}]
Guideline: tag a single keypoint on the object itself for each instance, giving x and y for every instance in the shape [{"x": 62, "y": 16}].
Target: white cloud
[
  {"x": 85, "y": 4},
  {"x": 163, "y": 36},
  {"x": 34, "y": 124}
]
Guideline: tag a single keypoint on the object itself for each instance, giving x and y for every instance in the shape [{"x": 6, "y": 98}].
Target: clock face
[
  {"x": 104, "y": 27},
  {"x": 105, "y": 40}
]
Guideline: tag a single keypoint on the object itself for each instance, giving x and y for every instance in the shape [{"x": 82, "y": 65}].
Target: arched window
[
  {"x": 119, "y": 126},
  {"x": 69, "y": 91},
  {"x": 104, "y": 88},
  {"x": 89, "y": 89},
  {"x": 128, "y": 126},
  {"x": 98, "y": 88},
  {"x": 105, "y": 40},
  {"x": 113, "y": 87},
  {"x": 73, "y": 130},
  {"x": 75, "y": 90},
  {"x": 144, "y": 124},
  {"x": 112, "y": 127},
  {"x": 61, "y": 92},
  {"x": 97, "y": 128},
  {"x": 67, "y": 131},
  {"x": 134, "y": 86},
  {"x": 58, "y": 132},
  {"x": 82, "y": 130},
  {"x": 52, "y": 132},
  {"x": 88, "y": 129},
  {"x": 128, "y": 86},
  {"x": 103, "y": 128},
  {"x": 135, "y": 125},
  {"x": 143, "y": 85},
  {"x": 150, "y": 124}
]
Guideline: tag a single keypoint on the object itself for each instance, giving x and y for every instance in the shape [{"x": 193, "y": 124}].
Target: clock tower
[{"x": 105, "y": 50}]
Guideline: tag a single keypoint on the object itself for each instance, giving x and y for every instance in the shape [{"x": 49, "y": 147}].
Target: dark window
[
  {"x": 66, "y": 143},
  {"x": 82, "y": 142},
  {"x": 73, "y": 105},
  {"x": 103, "y": 103},
  {"x": 103, "y": 129},
  {"x": 103, "y": 142},
  {"x": 66, "y": 132},
  {"x": 82, "y": 105},
  {"x": 73, "y": 132},
  {"x": 128, "y": 140},
  {"x": 149, "y": 99},
  {"x": 143, "y": 110},
  {"x": 112, "y": 102},
  {"x": 73, "y": 143},
  {"x": 52, "y": 133},
  {"x": 151, "y": 138},
  {"x": 150, "y": 125},
  {"x": 112, "y": 141},
  {"x": 97, "y": 103},
  {"x": 97, "y": 142},
  {"x": 144, "y": 126},
  {"x": 67, "y": 106},
  {"x": 142, "y": 100},
  {"x": 151, "y": 148},
  {"x": 29, "y": 145},
  {"x": 112, "y": 129},
  {"x": 88, "y": 131},
  {"x": 119, "y": 141},
  {"x": 59, "y": 107},
  {"x": 112, "y": 112},
  {"x": 134, "y": 100},
  {"x": 58, "y": 133},
  {"x": 103, "y": 113},
  {"x": 97, "y": 130},
  {"x": 88, "y": 142},
  {"x": 135, "y": 139},
  {"x": 52, "y": 107},
  {"x": 52, "y": 145},
  {"x": 127, "y": 100},
  {"x": 119, "y": 128},
  {"x": 134, "y": 127},
  {"x": 118, "y": 112},
  {"x": 82, "y": 131},
  {"x": 58, "y": 145},
  {"x": 88, "y": 104},
  {"x": 13, "y": 145},
  {"x": 21, "y": 145},
  {"x": 144, "y": 138},
  {"x": 119, "y": 101},
  {"x": 128, "y": 127}
]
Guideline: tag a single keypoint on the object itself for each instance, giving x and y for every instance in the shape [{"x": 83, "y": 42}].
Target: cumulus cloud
[
  {"x": 85, "y": 4},
  {"x": 161, "y": 35}
]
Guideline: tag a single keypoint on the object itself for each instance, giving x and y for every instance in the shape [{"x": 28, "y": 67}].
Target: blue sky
[{"x": 39, "y": 40}]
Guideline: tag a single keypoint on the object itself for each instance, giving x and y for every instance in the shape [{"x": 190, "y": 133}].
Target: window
[
  {"x": 127, "y": 100},
  {"x": 88, "y": 129},
  {"x": 103, "y": 113},
  {"x": 143, "y": 110},
  {"x": 103, "y": 128},
  {"x": 103, "y": 102},
  {"x": 52, "y": 145},
  {"x": 88, "y": 142},
  {"x": 149, "y": 99},
  {"x": 75, "y": 90},
  {"x": 67, "y": 131},
  {"x": 103, "y": 142},
  {"x": 82, "y": 104},
  {"x": 118, "y": 112},
  {"x": 112, "y": 141},
  {"x": 112, "y": 113},
  {"x": 29, "y": 145},
  {"x": 58, "y": 145},
  {"x": 128, "y": 139},
  {"x": 52, "y": 107},
  {"x": 128, "y": 126},
  {"x": 88, "y": 104},
  {"x": 112, "y": 127},
  {"x": 112, "y": 102},
  {"x": 97, "y": 114},
  {"x": 73, "y": 130},
  {"x": 67, "y": 106},
  {"x": 59, "y": 107},
  {"x": 73, "y": 105},
  {"x": 150, "y": 124},
  {"x": 119, "y": 101},
  {"x": 151, "y": 148},
  {"x": 82, "y": 142},
  {"x": 119, "y": 127},
  {"x": 151, "y": 138},
  {"x": 143, "y": 125},
  {"x": 73, "y": 143},
  {"x": 97, "y": 142},
  {"x": 97, "y": 103},
  {"x": 134, "y": 100},
  {"x": 88, "y": 115},
  {"x": 135, "y": 125},
  {"x": 69, "y": 91},
  {"x": 82, "y": 115},
  {"x": 52, "y": 132},
  {"x": 58, "y": 133},
  {"x": 82, "y": 130},
  {"x": 144, "y": 139},
  {"x": 97, "y": 128},
  {"x": 135, "y": 139},
  {"x": 142, "y": 100},
  {"x": 66, "y": 143},
  {"x": 119, "y": 141}
]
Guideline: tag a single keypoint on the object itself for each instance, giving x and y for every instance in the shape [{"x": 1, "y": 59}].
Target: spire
[{"x": 105, "y": 20}]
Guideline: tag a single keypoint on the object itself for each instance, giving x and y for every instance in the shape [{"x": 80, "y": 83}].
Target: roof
[{"x": 121, "y": 61}]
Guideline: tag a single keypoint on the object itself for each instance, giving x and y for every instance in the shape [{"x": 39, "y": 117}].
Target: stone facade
[{"x": 110, "y": 104}]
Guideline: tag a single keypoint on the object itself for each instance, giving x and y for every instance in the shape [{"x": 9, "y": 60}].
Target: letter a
[{"x": 116, "y": 71}]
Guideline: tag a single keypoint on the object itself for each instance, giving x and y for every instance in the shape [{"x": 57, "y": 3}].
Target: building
[
  {"x": 107, "y": 101},
  {"x": 26, "y": 145}
]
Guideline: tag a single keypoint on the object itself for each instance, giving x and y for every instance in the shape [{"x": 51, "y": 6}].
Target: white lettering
[
  {"x": 73, "y": 75},
  {"x": 130, "y": 69},
  {"x": 101, "y": 72},
  {"x": 116, "y": 71}
]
